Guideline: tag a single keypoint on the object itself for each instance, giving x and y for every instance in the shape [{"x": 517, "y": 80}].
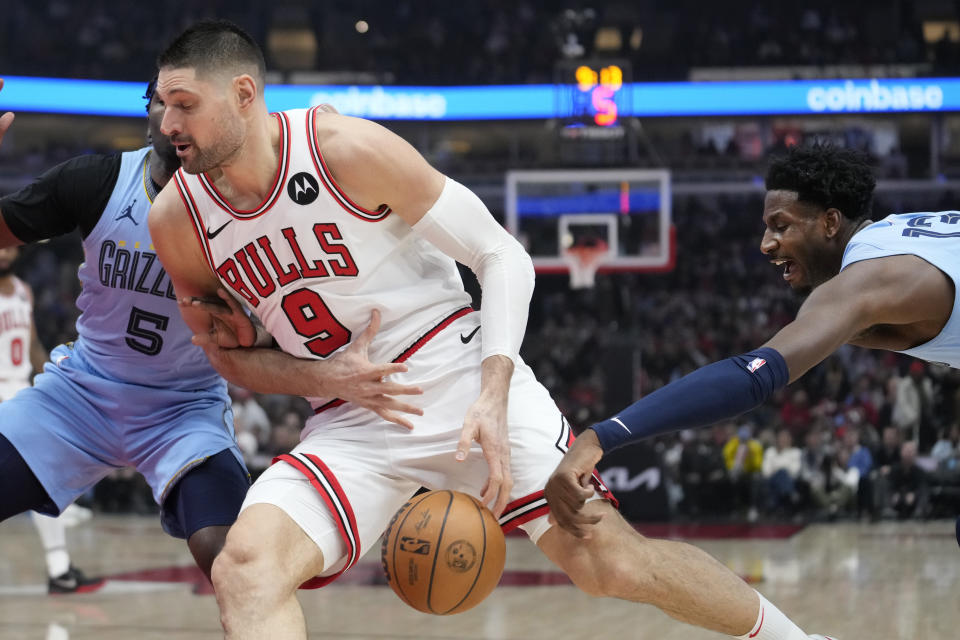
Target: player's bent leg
[
  {"x": 680, "y": 579},
  {"x": 204, "y": 503},
  {"x": 22, "y": 490},
  {"x": 267, "y": 556}
]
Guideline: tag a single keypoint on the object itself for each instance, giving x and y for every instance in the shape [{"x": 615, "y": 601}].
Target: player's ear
[
  {"x": 832, "y": 220},
  {"x": 246, "y": 90}
]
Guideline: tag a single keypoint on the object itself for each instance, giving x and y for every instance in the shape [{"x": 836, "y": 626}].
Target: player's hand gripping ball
[{"x": 443, "y": 552}]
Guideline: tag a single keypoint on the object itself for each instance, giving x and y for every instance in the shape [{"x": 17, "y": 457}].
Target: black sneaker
[{"x": 73, "y": 581}]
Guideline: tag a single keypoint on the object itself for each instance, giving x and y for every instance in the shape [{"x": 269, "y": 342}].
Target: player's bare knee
[
  {"x": 617, "y": 562},
  {"x": 605, "y": 575},
  {"x": 237, "y": 570}
]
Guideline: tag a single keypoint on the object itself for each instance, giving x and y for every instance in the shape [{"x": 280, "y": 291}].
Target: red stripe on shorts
[{"x": 334, "y": 497}]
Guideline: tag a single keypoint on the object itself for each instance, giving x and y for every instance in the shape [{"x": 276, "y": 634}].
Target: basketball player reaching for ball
[
  {"x": 314, "y": 219},
  {"x": 21, "y": 355},
  {"x": 883, "y": 285},
  {"x": 131, "y": 390}
]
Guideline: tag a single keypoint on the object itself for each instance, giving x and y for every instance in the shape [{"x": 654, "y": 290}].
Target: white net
[{"x": 583, "y": 262}]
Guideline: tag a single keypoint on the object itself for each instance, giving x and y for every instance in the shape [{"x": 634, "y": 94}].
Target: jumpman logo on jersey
[{"x": 127, "y": 212}]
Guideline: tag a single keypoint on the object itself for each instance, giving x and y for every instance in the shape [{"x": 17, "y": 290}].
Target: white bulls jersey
[
  {"x": 16, "y": 311},
  {"x": 312, "y": 265}
]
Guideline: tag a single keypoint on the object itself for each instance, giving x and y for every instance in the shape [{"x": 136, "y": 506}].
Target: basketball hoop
[{"x": 583, "y": 261}]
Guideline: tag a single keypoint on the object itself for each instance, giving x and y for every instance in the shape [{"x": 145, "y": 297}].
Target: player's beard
[
  {"x": 229, "y": 140},
  {"x": 6, "y": 270},
  {"x": 820, "y": 264}
]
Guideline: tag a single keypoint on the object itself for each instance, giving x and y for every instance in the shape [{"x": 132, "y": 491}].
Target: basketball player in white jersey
[
  {"x": 21, "y": 355},
  {"x": 316, "y": 221},
  {"x": 132, "y": 390}
]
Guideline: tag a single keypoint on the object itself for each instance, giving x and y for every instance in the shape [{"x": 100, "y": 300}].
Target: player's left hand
[
  {"x": 230, "y": 326},
  {"x": 486, "y": 423},
  {"x": 569, "y": 488}
]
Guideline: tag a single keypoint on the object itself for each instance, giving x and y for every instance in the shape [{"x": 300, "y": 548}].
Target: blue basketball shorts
[{"x": 73, "y": 427}]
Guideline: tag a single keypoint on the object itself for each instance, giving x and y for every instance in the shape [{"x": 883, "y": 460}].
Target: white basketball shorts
[{"x": 352, "y": 470}]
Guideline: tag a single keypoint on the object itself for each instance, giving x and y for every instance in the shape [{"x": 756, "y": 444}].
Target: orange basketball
[{"x": 443, "y": 552}]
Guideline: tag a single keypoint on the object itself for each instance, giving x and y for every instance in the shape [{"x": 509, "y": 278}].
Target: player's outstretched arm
[
  {"x": 898, "y": 290},
  {"x": 348, "y": 375},
  {"x": 376, "y": 167}
]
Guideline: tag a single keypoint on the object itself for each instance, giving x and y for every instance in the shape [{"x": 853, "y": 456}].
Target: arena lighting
[{"x": 517, "y": 102}]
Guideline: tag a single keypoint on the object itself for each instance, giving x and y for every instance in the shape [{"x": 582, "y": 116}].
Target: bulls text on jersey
[{"x": 247, "y": 271}]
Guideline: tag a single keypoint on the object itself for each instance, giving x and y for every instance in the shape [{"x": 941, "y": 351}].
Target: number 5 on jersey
[{"x": 149, "y": 342}]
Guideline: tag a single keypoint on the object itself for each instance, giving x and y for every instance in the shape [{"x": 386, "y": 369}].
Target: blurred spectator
[
  {"x": 795, "y": 413},
  {"x": 889, "y": 452},
  {"x": 859, "y": 457},
  {"x": 781, "y": 468},
  {"x": 743, "y": 456},
  {"x": 812, "y": 458},
  {"x": 912, "y": 403},
  {"x": 908, "y": 484},
  {"x": 124, "y": 491},
  {"x": 285, "y": 435},
  {"x": 945, "y": 479},
  {"x": 947, "y": 447},
  {"x": 248, "y": 416},
  {"x": 885, "y": 458},
  {"x": 703, "y": 474},
  {"x": 834, "y": 488}
]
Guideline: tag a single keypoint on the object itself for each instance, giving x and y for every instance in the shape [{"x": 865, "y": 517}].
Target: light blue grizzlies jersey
[
  {"x": 935, "y": 237},
  {"x": 130, "y": 327}
]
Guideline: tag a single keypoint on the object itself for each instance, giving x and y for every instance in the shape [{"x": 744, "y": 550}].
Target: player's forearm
[
  {"x": 495, "y": 374},
  {"x": 506, "y": 282},
  {"x": 718, "y": 391},
  {"x": 269, "y": 371}
]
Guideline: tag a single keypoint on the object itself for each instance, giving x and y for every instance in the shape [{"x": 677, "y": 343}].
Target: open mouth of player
[
  {"x": 790, "y": 268},
  {"x": 182, "y": 148}
]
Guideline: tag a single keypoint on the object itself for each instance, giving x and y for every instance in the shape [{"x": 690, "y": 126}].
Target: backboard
[{"x": 629, "y": 210}]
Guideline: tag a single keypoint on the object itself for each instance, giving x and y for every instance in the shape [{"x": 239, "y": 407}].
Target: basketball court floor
[{"x": 885, "y": 581}]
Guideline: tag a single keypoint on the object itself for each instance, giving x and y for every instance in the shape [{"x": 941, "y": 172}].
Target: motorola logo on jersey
[{"x": 303, "y": 188}]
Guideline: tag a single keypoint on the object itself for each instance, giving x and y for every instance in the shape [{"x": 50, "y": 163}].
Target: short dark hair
[
  {"x": 826, "y": 176},
  {"x": 151, "y": 89},
  {"x": 214, "y": 45}
]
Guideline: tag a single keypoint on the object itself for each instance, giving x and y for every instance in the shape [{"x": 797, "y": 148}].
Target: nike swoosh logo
[
  {"x": 213, "y": 234},
  {"x": 469, "y": 336}
]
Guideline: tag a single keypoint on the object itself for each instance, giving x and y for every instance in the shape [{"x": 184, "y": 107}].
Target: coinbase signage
[
  {"x": 872, "y": 96},
  {"x": 515, "y": 102},
  {"x": 493, "y": 102}
]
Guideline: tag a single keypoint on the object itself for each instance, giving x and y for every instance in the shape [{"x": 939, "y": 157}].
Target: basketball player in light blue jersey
[
  {"x": 883, "y": 285},
  {"x": 131, "y": 390}
]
